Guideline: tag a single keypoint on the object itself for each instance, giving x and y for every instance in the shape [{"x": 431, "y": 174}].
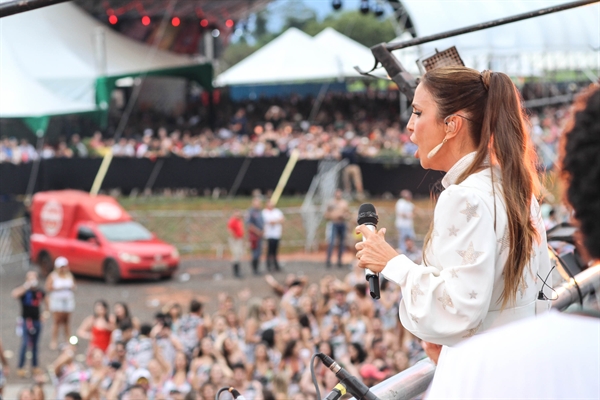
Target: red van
[{"x": 97, "y": 236}]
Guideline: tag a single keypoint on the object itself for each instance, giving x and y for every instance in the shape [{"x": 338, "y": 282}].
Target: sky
[{"x": 322, "y": 8}]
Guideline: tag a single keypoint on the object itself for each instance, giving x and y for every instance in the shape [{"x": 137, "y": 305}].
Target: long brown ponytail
[{"x": 498, "y": 128}]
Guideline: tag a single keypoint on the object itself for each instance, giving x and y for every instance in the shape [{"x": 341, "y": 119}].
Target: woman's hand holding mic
[{"x": 373, "y": 253}]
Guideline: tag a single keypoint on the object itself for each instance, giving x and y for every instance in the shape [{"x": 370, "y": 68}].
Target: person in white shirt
[
  {"x": 487, "y": 245},
  {"x": 555, "y": 356},
  {"x": 273, "y": 218},
  {"x": 404, "y": 219}
]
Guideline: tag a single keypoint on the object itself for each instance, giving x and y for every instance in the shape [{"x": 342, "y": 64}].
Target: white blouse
[{"x": 457, "y": 294}]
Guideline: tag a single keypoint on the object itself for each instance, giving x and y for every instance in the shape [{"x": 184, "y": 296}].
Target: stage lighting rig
[
  {"x": 364, "y": 6},
  {"x": 378, "y": 10},
  {"x": 336, "y": 4}
]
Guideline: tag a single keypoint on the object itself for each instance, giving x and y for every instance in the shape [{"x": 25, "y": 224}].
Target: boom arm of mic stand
[{"x": 405, "y": 81}]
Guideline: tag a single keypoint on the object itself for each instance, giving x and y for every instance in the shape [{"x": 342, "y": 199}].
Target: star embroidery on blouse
[
  {"x": 522, "y": 287},
  {"x": 414, "y": 292},
  {"x": 446, "y": 300},
  {"x": 469, "y": 256},
  {"x": 470, "y": 211},
  {"x": 453, "y": 231},
  {"x": 414, "y": 318},
  {"x": 473, "y": 295},
  {"x": 472, "y": 332},
  {"x": 434, "y": 233},
  {"x": 453, "y": 273},
  {"x": 505, "y": 241}
]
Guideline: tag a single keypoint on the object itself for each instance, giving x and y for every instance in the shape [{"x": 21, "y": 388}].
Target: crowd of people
[
  {"x": 262, "y": 346},
  {"x": 367, "y": 123}
]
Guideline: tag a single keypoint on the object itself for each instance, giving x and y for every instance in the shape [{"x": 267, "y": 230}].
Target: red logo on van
[{"x": 51, "y": 218}]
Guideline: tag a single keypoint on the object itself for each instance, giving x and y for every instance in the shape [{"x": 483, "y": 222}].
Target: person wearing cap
[
  {"x": 60, "y": 285},
  {"x": 31, "y": 297},
  {"x": 371, "y": 375}
]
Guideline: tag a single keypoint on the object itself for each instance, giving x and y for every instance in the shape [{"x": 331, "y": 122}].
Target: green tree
[
  {"x": 260, "y": 29},
  {"x": 296, "y": 14},
  {"x": 236, "y": 52},
  {"x": 365, "y": 29}
]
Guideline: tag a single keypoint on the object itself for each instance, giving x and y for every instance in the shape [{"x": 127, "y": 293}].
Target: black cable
[
  {"x": 223, "y": 389},
  {"x": 541, "y": 294},
  {"x": 313, "y": 375}
]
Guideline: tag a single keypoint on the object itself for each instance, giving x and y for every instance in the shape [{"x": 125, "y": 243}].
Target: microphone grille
[{"x": 367, "y": 214}]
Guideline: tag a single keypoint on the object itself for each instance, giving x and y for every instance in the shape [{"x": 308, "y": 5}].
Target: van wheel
[
  {"x": 45, "y": 262},
  {"x": 112, "y": 274}
]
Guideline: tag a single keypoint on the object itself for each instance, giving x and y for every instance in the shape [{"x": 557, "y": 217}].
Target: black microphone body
[
  {"x": 354, "y": 386},
  {"x": 367, "y": 215}
]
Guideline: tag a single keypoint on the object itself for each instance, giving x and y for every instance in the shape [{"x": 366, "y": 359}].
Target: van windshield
[{"x": 125, "y": 232}]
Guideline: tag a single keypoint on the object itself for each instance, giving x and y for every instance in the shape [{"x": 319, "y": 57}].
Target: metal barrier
[
  {"x": 577, "y": 288},
  {"x": 416, "y": 379},
  {"x": 407, "y": 384},
  {"x": 14, "y": 243}
]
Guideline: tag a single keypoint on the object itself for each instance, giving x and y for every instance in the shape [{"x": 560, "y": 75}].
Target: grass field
[{"x": 197, "y": 225}]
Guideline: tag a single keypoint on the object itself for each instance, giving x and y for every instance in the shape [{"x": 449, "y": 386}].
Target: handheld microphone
[
  {"x": 355, "y": 387},
  {"x": 368, "y": 216}
]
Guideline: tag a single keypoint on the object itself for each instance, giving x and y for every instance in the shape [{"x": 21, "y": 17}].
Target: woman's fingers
[
  {"x": 365, "y": 231},
  {"x": 374, "y": 252}
]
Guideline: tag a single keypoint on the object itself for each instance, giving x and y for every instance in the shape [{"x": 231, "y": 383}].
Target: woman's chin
[{"x": 423, "y": 160}]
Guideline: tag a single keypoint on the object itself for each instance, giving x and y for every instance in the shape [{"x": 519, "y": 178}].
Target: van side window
[{"x": 84, "y": 233}]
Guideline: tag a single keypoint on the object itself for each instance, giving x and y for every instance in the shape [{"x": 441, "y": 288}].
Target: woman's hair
[
  {"x": 126, "y": 309},
  {"x": 289, "y": 349},
  {"x": 331, "y": 349},
  {"x": 498, "y": 128},
  {"x": 361, "y": 355},
  {"x": 187, "y": 362},
  {"x": 104, "y": 305},
  {"x": 580, "y": 166}
]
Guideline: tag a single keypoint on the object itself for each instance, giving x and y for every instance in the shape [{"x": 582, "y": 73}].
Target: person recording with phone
[
  {"x": 31, "y": 296},
  {"x": 485, "y": 251}
]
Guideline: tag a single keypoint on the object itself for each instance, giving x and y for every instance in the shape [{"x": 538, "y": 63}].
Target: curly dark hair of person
[{"x": 580, "y": 166}]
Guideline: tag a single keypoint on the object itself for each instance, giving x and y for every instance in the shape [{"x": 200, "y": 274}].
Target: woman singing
[{"x": 486, "y": 247}]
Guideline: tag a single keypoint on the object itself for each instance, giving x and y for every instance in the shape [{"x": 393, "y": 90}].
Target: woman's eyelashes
[{"x": 417, "y": 113}]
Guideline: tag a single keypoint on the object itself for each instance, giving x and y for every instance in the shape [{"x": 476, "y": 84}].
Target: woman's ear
[{"x": 453, "y": 125}]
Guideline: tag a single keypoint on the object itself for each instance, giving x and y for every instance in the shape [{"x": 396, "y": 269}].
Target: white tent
[
  {"x": 61, "y": 47},
  {"x": 23, "y": 97},
  {"x": 295, "y": 57},
  {"x": 565, "y": 40},
  {"x": 349, "y": 52}
]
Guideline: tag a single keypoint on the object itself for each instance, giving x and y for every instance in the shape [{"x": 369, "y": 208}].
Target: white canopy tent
[
  {"x": 565, "y": 40},
  {"x": 349, "y": 52},
  {"x": 297, "y": 57},
  {"x": 67, "y": 52},
  {"x": 23, "y": 97}
]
